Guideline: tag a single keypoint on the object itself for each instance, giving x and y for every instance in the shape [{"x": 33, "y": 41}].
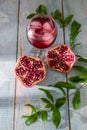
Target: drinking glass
[{"x": 41, "y": 32}]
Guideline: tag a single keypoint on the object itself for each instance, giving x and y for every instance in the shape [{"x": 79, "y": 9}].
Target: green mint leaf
[
  {"x": 75, "y": 45},
  {"x": 60, "y": 102},
  {"x": 48, "y": 94},
  {"x": 60, "y": 21},
  {"x": 34, "y": 109},
  {"x": 78, "y": 79},
  {"x": 45, "y": 100},
  {"x": 23, "y": 116},
  {"x": 75, "y": 29},
  {"x": 65, "y": 85},
  {"x": 31, "y": 119},
  {"x": 41, "y": 9},
  {"x": 81, "y": 69},
  {"x": 56, "y": 14},
  {"x": 61, "y": 89},
  {"x": 83, "y": 59},
  {"x": 76, "y": 100},
  {"x": 56, "y": 117},
  {"x": 49, "y": 105},
  {"x": 68, "y": 19},
  {"x": 44, "y": 115},
  {"x": 30, "y": 16}
]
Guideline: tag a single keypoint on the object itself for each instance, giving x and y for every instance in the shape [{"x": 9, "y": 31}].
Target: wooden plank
[
  {"x": 79, "y": 9},
  {"x": 8, "y": 39},
  {"x": 32, "y": 95}
]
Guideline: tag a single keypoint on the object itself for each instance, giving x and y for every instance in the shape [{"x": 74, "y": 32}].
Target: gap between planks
[
  {"x": 18, "y": 14},
  {"x": 64, "y": 38}
]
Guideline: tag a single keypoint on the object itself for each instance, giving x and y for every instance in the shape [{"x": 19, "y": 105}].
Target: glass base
[{"x": 40, "y": 53}]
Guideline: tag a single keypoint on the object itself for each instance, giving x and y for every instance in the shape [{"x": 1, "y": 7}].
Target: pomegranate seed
[
  {"x": 63, "y": 50},
  {"x": 64, "y": 66},
  {"x": 30, "y": 75},
  {"x": 25, "y": 61},
  {"x": 52, "y": 54},
  {"x": 37, "y": 64},
  {"x": 27, "y": 81},
  {"x": 20, "y": 71},
  {"x": 69, "y": 58},
  {"x": 39, "y": 74},
  {"x": 53, "y": 63}
]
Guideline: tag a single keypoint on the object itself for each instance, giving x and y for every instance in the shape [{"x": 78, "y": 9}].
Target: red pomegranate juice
[{"x": 41, "y": 31}]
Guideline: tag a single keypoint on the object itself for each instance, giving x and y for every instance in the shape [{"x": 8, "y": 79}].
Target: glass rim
[{"x": 55, "y": 27}]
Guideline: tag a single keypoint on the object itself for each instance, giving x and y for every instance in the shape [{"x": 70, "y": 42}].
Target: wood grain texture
[
  {"x": 78, "y": 8},
  {"x": 14, "y": 43},
  {"x": 32, "y": 95},
  {"x": 8, "y": 39}
]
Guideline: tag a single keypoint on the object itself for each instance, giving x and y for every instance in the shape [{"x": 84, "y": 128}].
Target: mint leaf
[
  {"x": 41, "y": 9},
  {"x": 76, "y": 100},
  {"x": 44, "y": 115},
  {"x": 75, "y": 29},
  {"x": 56, "y": 14},
  {"x": 31, "y": 119},
  {"x": 81, "y": 69},
  {"x": 83, "y": 59},
  {"x": 49, "y": 105},
  {"x": 61, "y": 89},
  {"x": 34, "y": 109},
  {"x": 60, "y": 102},
  {"x": 75, "y": 45},
  {"x": 68, "y": 19},
  {"x": 48, "y": 94},
  {"x": 65, "y": 85},
  {"x": 30, "y": 16},
  {"x": 45, "y": 100},
  {"x": 78, "y": 79},
  {"x": 23, "y": 116},
  {"x": 56, "y": 117}
]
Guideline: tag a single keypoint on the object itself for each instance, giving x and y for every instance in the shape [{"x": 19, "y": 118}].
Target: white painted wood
[
  {"x": 79, "y": 9},
  {"x": 8, "y": 39},
  {"x": 32, "y": 95},
  {"x": 11, "y": 107}
]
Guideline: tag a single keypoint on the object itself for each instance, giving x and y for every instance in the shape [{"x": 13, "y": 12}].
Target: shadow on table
[{"x": 80, "y": 114}]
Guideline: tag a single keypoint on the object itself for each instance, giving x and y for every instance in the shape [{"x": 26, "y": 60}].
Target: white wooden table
[{"x": 13, "y": 43}]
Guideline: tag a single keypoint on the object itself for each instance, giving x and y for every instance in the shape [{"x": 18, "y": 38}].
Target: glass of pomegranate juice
[{"x": 41, "y": 32}]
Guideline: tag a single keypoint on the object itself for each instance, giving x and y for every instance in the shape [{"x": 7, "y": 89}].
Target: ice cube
[
  {"x": 35, "y": 24},
  {"x": 47, "y": 36},
  {"x": 47, "y": 27}
]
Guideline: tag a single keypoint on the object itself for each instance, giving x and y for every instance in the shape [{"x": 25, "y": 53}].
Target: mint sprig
[
  {"x": 41, "y": 9},
  {"x": 53, "y": 104},
  {"x": 63, "y": 22}
]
